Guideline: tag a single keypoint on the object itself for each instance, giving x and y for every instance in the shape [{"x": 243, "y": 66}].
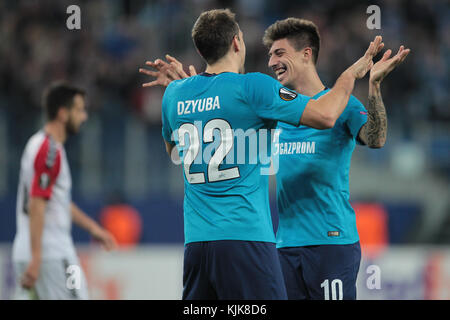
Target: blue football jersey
[
  {"x": 312, "y": 181},
  {"x": 222, "y": 125}
]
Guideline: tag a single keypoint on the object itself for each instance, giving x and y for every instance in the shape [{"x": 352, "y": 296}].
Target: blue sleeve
[
  {"x": 270, "y": 100},
  {"x": 166, "y": 128},
  {"x": 355, "y": 116}
]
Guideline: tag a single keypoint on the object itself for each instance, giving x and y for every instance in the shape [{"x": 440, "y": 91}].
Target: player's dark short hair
[
  {"x": 59, "y": 95},
  {"x": 300, "y": 33},
  {"x": 213, "y": 33}
]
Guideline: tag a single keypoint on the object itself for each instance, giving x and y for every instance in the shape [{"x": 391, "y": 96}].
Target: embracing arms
[
  {"x": 323, "y": 112},
  {"x": 320, "y": 114}
]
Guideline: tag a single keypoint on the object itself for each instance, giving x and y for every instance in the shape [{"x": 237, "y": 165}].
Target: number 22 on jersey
[{"x": 226, "y": 144}]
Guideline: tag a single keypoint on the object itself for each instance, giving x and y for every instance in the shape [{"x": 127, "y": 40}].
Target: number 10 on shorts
[{"x": 335, "y": 287}]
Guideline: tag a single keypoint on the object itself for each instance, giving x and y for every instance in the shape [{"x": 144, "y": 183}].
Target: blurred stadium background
[{"x": 123, "y": 177}]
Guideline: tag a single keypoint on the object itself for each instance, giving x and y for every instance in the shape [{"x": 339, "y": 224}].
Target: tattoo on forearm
[{"x": 374, "y": 132}]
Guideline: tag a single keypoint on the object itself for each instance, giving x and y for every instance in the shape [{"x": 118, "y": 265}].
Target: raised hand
[
  {"x": 163, "y": 74},
  {"x": 385, "y": 65},
  {"x": 166, "y": 72},
  {"x": 178, "y": 67},
  {"x": 365, "y": 63}
]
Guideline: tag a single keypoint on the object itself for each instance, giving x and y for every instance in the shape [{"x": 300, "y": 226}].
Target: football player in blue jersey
[
  {"x": 317, "y": 239},
  {"x": 230, "y": 248}
]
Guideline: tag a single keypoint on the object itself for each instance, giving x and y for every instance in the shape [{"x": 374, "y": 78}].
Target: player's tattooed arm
[{"x": 374, "y": 132}]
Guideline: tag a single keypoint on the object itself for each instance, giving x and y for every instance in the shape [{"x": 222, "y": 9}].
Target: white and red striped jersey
[{"x": 45, "y": 172}]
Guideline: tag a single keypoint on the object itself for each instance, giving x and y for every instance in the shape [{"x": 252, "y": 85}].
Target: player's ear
[
  {"x": 307, "y": 54},
  {"x": 235, "y": 44},
  {"x": 63, "y": 114}
]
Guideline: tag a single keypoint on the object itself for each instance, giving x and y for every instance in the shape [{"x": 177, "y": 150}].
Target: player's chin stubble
[{"x": 71, "y": 128}]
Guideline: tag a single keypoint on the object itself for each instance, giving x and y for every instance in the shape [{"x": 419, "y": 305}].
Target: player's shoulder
[
  {"x": 172, "y": 91},
  {"x": 353, "y": 102},
  {"x": 353, "y": 109},
  {"x": 36, "y": 141},
  {"x": 259, "y": 84},
  {"x": 257, "y": 76},
  {"x": 176, "y": 87},
  {"x": 42, "y": 145},
  {"x": 176, "y": 84},
  {"x": 247, "y": 81},
  {"x": 32, "y": 147}
]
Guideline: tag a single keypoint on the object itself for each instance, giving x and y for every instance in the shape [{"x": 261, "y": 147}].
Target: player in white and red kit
[{"x": 43, "y": 248}]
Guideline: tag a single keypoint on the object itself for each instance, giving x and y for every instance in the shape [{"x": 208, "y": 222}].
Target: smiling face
[
  {"x": 293, "y": 45},
  {"x": 286, "y": 62}
]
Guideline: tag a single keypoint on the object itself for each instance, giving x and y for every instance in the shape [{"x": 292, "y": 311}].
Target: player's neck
[
  {"x": 223, "y": 65},
  {"x": 309, "y": 84},
  {"x": 56, "y": 130}
]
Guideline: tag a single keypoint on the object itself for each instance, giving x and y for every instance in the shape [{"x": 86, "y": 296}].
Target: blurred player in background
[
  {"x": 317, "y": 237},
  {"x": 43, "y": 248},
  {"x": 230, "y": 248}
]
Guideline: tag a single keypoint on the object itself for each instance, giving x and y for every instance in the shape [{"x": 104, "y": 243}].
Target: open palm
[{"x": 385, "y": 65}]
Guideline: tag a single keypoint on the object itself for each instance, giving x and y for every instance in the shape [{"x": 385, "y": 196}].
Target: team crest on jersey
[
  {"x": 287, "y": 95},
  {"x": 44, "y": 181}
]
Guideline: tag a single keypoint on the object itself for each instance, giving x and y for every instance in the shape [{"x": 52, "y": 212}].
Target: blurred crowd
[{"x": 118, "y": 36}]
